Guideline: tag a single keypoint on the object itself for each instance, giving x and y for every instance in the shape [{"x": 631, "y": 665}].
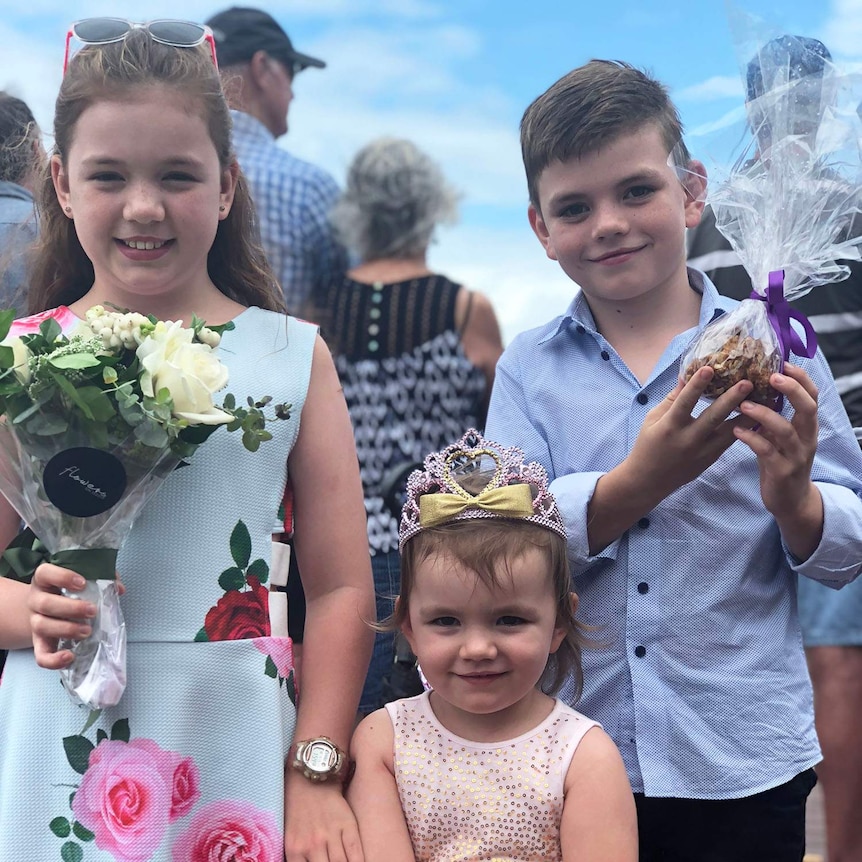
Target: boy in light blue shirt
[{"x": 689, "y": 520}]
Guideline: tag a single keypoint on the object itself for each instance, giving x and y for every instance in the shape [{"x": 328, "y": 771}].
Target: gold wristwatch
[{"x": 320, "y": 759}]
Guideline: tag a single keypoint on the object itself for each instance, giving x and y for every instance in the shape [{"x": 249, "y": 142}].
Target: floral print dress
[{"x": 189, "y": 766}]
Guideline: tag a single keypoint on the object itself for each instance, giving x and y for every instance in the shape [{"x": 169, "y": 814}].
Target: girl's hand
[
  {"x": 785, "y": 452},
  {"x": 54, "y": 616}
]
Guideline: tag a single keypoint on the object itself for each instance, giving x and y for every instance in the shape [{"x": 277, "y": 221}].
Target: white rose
[
  {"x": 21, "y": 354},
  {"x": 190, "y": 372}
]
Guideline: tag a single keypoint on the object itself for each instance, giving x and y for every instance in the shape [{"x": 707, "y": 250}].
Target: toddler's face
[{"x": 483, "y": 650}]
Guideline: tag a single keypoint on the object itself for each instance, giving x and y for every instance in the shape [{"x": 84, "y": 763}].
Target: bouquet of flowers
[
  {"x": 92, "y": 423},
  {"x": 789, "y": 206}
]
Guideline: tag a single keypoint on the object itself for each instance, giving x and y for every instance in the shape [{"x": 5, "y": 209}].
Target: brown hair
[
  {"x": 487, "y": 547},
  {"x": 592, "y": 106},
  {"x": 236, "y": 262}
]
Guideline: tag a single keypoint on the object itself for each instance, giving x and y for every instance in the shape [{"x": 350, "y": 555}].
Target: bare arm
[
  {"x": 480, "y": 333},
  {"x": 373, "y": 794},
  {"x": 332, "y": 553},
  {"x": 599, "y": 821},
  {"x": 672, "y": 449}
]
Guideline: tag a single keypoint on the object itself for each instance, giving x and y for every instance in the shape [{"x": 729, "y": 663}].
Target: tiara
[{"x": 505, "y": 487}]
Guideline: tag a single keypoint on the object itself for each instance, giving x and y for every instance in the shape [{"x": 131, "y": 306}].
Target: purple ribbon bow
[{"x": 780, "y": 314}]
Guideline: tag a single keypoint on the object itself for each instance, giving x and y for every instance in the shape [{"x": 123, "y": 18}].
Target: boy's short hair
[{"x": 590, "y": 107}]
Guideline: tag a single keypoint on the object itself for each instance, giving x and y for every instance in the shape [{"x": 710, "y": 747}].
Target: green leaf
[
  {"x": 92, "y": 718},
  {"x": 197, "y": 434},
  {"x": 240, "y": 544},
  {"x": 202, "y": 636},
  {"x": 120, "y": 730},
  {"x": 269, "y": 667},
  {"x": 101, "y": 735},
  {"x": 6, "y": 318},
  {"x": 82, "y": 832},
  {"x": 61, "y": 827},
  {"x": 260, "y": 570},
  {"x": 72, "y": 798},
  {"x": 291, "y": 688},
  {"x": 229, "y": 402},
  {"x": 78, "y": 750},
  {"x": 50, "y": 330},
  {"x": 71, "y": 852},
  {"x": 74, "y": 360},
  {"x": 250, "y": 441},
  {"x": 231, "y": 579},
  {"x": 7, "y": 356}
]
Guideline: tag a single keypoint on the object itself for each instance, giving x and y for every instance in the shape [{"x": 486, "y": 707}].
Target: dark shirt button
[
  {"x": 605, "y": 355},
  {"x": 643, "y": 523},
  {"x": 643, "y": 587},
  {"x": 640, "y": 651},
  {"x": 580, "y": 329},
  {"x": 642, "y": 398}
]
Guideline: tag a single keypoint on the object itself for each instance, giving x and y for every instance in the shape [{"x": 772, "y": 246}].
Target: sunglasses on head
[{"x": 165, "y": 31}]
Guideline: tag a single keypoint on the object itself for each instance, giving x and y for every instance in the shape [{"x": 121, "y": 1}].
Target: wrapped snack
[{"x": 789, "y": 206}]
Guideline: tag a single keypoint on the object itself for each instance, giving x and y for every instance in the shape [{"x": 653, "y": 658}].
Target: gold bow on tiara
[{"x": 510, "y": 501}]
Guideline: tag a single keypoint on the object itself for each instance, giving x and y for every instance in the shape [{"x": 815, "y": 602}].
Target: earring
[
  {"x": 222, "y": 208},
  {"x": 67, "y": 209}
]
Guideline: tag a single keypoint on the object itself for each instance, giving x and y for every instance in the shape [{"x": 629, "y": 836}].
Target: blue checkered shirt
[
  {"x": 293, "y": 199},
  {"x": 701, "y": 677}
]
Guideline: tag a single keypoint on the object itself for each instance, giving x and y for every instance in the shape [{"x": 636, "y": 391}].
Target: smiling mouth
[
  {"x": 143, "y": 245},
  {"x": 612, "y": 255}
]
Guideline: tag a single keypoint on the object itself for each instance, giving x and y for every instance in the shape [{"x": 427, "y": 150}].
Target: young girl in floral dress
[{"x": 145, "y": 209}]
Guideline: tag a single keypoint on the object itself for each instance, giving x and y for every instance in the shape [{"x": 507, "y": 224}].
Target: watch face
[{"x": 320, "y": 757}]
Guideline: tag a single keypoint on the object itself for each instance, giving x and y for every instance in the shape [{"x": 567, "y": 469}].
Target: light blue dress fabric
[{"x": 189, "y": 764}]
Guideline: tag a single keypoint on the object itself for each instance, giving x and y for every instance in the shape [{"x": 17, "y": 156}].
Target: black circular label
[{"x": 84, "y": 482}]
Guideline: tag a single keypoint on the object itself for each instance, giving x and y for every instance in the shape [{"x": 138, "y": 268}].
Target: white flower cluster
[{"x": 129, "y": 329}]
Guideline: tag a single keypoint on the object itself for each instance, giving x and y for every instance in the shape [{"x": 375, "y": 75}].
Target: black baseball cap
[
  {"x": 792, "y": 57},
  {"x": 241, "y": 32}
]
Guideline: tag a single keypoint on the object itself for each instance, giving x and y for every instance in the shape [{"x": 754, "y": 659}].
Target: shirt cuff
[
  {"x": 573, "y": 494},
  {"x": 836, "y": 560}
]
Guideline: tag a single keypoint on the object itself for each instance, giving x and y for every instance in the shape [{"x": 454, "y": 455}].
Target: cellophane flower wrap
[
  {"x": 789, "y": 205},
  {"x": 92, "y": 423}
]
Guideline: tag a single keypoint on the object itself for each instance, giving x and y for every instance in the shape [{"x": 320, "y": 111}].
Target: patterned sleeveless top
[
  {"x": 496, "y": 801},
  {"x": 409, "y": 387}
]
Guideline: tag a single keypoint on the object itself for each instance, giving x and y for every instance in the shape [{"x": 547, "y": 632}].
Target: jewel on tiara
[{"x": 437, "y": 494}]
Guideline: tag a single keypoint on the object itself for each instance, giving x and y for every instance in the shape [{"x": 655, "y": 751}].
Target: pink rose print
[
  {"x": 280, "y": 650},
  {"x": 235, "y": 831},
  {"x": 129, "y": 794},
  {"x": 186, "y": 792},
  {"x": 64, "y": 316}
]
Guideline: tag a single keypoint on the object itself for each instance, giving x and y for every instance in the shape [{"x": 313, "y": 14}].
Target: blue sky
[{"x": 455, "y": 76}]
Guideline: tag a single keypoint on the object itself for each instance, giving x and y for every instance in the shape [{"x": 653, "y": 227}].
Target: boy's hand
[
  {"x": 785, "y": 453},
  {"x": 674, "y": 447}
]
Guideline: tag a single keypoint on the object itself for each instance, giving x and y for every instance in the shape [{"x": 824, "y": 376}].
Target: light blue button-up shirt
[
  {"x": 293, "y": 199},
  {"x": 700, "y": 677}
]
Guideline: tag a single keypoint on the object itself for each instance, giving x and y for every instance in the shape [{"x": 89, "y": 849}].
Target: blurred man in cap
[
  {"x": 831, "y": 619},
  {"x": 292, "y": 197}
]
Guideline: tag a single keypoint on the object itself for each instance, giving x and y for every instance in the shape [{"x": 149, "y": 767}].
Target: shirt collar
[
  {"x": 712, "y": 305},
  {"x": 251, "y": 127}
]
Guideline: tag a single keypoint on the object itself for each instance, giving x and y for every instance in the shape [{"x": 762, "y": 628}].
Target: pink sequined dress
[{"x": 466, "y": 800}]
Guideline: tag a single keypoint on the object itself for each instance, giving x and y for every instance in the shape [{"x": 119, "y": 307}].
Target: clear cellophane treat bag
[{"x": 789, "y": 205}]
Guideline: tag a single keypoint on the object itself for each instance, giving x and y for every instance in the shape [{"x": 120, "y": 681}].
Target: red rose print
[{"x": 239, "y": 615}]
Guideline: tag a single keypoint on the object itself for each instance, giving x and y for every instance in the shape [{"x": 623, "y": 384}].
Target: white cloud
[
  {"x": 717, "y": 87},
  {"x": 842, "y": 33}
]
